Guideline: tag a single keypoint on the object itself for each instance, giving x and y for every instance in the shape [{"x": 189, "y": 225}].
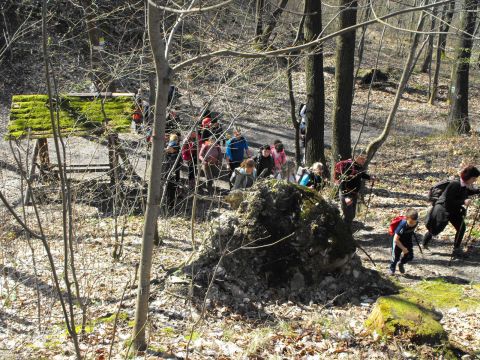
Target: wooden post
[
  {"x": 113, "y": 157},
  {"x": 32, "y": 171},
  {"x": 43, "y": 155}
]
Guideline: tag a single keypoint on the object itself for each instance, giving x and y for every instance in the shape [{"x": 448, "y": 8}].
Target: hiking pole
[
  {"x": 368, "y": 201},
  {"x": 471, "y": 228},
  {"x": 416, "y": 240}
]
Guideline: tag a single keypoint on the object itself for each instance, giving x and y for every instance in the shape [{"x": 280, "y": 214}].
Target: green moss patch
[
  {"x": 397, "y": 316},
  {"x": 444, "y": 295},
  {"x": 78, "y": 115}
]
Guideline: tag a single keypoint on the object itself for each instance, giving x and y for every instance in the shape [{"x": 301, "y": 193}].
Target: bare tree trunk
[
  {"x": 427, "y": 62},
  {"x": 258, "y": 19},
  {"x": 447, "y": 15},
  {"x": 293, "y": 113},
  {"x": 378, "y": 142},
  {"x": 458, "y": 122},
  {"x": 65, "y": 193},
  {"x": 272, "y": 22},
  {"x": 315, "y": 132},
  {"x": 155, "y": 179},
  {"x": 344, "y": 69}
]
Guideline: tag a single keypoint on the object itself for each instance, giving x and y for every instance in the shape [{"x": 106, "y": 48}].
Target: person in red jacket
[{"x": 189, "y": 155}]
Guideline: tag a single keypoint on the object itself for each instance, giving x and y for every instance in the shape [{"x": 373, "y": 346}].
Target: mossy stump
[
  {"x": 283, "y": 233},
  {"x": 397, "y": 316}
]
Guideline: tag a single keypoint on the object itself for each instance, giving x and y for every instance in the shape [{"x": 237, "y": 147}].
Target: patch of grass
[
  {"x": 444, "y": 295},
  {"x": 168, "y": 331},
  {"x": 192, "y": 336},
  {"x": 258, "y": 340},
  {"x": 90, "y": 326}
]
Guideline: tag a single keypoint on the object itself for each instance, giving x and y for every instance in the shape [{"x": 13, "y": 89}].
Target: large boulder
[
  {"x": 399, "y": 316},
  {"x": 282, "y": 233}
]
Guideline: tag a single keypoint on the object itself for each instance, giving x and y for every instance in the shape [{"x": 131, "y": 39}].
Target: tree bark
[
  {"x": 155, "y": 178},
  {"x": 314, "y": 136},
  {"x": 344, "y": 69},
  {"x": 272, "y": 22},
  {"x": 458, "y": 122},
  {"x": 447, "y": 15},
  {"x": 378, "y": 142}
]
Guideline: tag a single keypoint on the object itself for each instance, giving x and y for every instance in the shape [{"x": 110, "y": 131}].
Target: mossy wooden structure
[{"x": 76, "y": 114}]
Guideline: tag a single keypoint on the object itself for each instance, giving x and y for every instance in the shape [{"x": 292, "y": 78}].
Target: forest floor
[{"x": 244, "y": 325}]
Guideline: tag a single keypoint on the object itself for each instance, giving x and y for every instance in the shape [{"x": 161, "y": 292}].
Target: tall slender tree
[
  {"x": 446, "y": 19},
  {"x": 427, "y": 62},
  {"x": 344, "y": 70},
  {"x": 314, "y": 135},
  {"x": 458, "y": 121},
  {"x": 155, "y": 180}
]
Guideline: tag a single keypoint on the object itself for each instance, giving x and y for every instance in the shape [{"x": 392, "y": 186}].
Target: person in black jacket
[
  {"x": 350, "y": 185},
  {"x": 451, "y": 207},
  {"x": 264, "y": 162}
]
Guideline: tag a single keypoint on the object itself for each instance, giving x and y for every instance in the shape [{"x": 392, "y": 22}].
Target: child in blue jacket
[{"x": 403, "y": 241}]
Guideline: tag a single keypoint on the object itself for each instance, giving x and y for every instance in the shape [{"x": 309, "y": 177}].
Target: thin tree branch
[
  {"x": 190, "y": 11},
  {"x": 284, "y": 51}
]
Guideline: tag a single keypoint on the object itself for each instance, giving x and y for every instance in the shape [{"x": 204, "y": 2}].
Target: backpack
[
  {"x": 437, "y": 190},
  {"x": 301, "y": 173},
  {"x": 394, "y": 223},
  {"x": 341, "y": 167},
  {"x": 137, "y": 116}
]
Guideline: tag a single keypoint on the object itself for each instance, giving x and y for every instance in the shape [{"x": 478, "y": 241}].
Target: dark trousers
[
  {"x": 349, "y": 211},
  {"x": 397, "y": 255},
  {"x": 192, "y": 168},
  {"x": 458, "y": 223}
]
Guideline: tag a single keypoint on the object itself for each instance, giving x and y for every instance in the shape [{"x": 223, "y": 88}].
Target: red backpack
[
  {"x": 341, "y": 168},
  {"x": 394, "y": 223},
  {"x": 137, "y": 116}
]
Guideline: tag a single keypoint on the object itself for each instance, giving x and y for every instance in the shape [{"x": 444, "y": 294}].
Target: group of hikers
[
  {"x": 450, "y": 201},
  {"x": 450, "y": 198}
]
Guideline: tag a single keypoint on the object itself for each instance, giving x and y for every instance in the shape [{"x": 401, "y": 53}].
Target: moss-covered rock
[
  {"x": 414, "y": 311},
  {"x": 30, "y": 115},
  {"x": 397, "y": 316}
]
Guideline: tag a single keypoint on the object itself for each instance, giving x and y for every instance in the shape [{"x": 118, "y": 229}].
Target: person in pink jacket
[
  {"x": 279, "y": 157},
  {"x": 211, "y": 157}
]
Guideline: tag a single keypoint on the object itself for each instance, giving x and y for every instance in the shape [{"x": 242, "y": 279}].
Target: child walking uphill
[{"x": 403, "y": 241}]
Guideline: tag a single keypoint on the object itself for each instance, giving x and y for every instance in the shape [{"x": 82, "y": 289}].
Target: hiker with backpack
[
  {"x": 244, "y": 176},
  {"x": 171, "y": 153},
  {"x": 211, "y": 157},
  {"x": 312, "y": 177},
  {"x": 403, "y": 230},
  {"x": 217, "y": 131},
  {"x": 289, "y": 174},
  {"x": 451, "y": 206},
  {"x": 303, "y": 122},
  {"x": 348, "y": 175},
  {"x": 236, "y": 149},
  {"x": 264, "y": 163}
]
